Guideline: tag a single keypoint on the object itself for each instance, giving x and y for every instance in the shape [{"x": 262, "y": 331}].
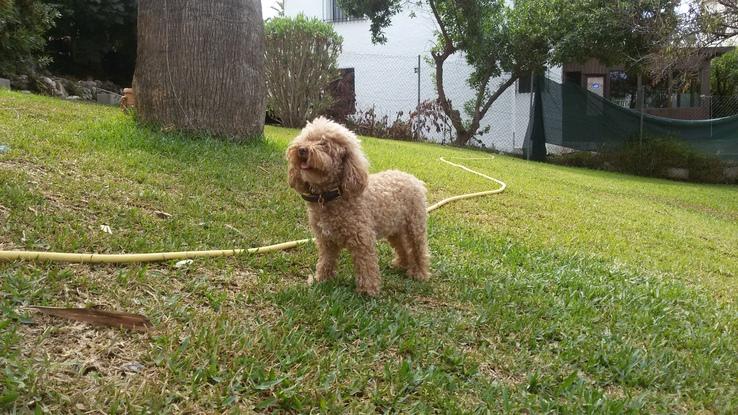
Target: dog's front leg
[
  {"x": 327, "y": 259},
  {"x": 366, "y": 264}
]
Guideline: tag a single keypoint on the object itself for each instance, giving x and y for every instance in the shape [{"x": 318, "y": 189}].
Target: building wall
[
  {"x": 386, "y": 79},
  {"x": 310, "y": 8}
]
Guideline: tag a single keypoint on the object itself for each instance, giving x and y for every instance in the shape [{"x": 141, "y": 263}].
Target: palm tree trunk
[{"x": 200, "y": 66}]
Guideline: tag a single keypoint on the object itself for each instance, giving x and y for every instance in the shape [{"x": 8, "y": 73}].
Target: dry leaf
[
  {"x": 162, "y": 214},
  {"x": 99, "y": 317},
  {"x": 133, "y": 367},
  {"x": 183, "y": 263}
]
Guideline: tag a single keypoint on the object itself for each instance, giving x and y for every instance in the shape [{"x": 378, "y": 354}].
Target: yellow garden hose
[{"x": 166, "y": 256}]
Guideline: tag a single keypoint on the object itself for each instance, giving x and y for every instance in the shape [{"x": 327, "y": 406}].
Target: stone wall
[{"x": 104, "y": 92}]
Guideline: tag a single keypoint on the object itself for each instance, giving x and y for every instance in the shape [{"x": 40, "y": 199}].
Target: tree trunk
[
  {"x": 200, "y": 66},
  {"x": 462, "y": 138},
  {"x": 465, "y": 133}
]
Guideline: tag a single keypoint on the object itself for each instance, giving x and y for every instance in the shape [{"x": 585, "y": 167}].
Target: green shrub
[
  {"x": 419, "y": 124},
  {"x": 23, "y": 24},
  {"x": 584, "y": 159},
  {"x": 301, "y": 62},
  {"x": 653, "y": 157},
  {"x": 724, "y": 74}
]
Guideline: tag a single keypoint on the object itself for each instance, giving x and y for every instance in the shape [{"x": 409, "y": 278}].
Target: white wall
[
  {"x": 310, "y": 8},
  {"x": 385, "y": 75}
]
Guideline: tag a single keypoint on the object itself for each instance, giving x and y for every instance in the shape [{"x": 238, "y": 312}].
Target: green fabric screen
[{"x": 575, "y": 118}]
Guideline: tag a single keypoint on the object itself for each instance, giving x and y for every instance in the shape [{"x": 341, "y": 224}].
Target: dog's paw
[
  {"x": 317, "y": 278},
  {"x": 418, "y": 274},
  {"x": 369, "y": 292},
  {"x": 397, "y": 263}
]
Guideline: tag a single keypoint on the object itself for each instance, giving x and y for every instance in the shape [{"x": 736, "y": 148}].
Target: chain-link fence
[
  {"x": 397, "y": 94},
  {"x": 722, "y": 106},
  {"x": 682, "y": 106}
]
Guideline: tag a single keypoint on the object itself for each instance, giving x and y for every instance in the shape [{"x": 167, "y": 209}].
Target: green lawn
[{"x": 573, "y": 291}]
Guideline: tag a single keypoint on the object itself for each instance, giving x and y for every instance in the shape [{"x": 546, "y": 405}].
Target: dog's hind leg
[
  {"x": 402, "y": 250},
  {"x": 417, "y": 237}
]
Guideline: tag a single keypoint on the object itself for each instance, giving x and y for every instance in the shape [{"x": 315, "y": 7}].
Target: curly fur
[{"x": 391, "y": 204}]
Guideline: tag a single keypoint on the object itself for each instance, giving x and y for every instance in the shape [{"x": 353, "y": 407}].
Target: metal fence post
[
  {"x": 418, "y": 81},
  {"x": 640, "y": 92},
  {"x": 532, "y": 112},
  {"x": 709, "y": 102},
  {"x": 417, "y": 106}
]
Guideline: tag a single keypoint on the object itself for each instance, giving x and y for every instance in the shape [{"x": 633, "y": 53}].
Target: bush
[
  {"x": 724, "y": 74},
  {"x": 366, "y": 122},
  {"x": 586, "y": 159},
  {"x": 428, "y": 118},
  {"x": 654, "y": 157},
  {"x": 23, "y": 24},
  {"x": 301, "y": 63}
]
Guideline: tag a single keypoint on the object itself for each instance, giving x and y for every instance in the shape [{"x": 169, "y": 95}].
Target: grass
[{"x": 574, "y": 291}]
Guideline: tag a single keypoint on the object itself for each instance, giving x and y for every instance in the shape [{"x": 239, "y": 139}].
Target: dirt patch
[
  {"x": 74, "y": 360},
  {"x": 34, "y": 171},
  {"x": 81, "y": 368}
]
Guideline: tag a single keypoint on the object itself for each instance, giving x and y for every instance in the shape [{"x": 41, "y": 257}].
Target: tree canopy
[
  {"x": 23, "y": 24},
  {"x": 717, "y": 20},
  {"x": 724, "y": 76},
  {"x": 703, "y": 25}
]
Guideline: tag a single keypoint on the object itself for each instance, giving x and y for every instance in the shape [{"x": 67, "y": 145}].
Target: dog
[{"x": 349, "y": 208}]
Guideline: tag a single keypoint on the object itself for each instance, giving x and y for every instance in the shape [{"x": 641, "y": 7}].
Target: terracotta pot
[{"x": 129, "y": 99}]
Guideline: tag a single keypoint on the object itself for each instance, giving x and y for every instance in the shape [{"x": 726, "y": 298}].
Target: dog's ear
[
  {"x": 293, "y": 172},
  {"x": 355, "y": 173}
]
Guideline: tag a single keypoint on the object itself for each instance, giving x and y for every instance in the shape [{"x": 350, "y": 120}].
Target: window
[
  {"x": 336, "y": 14},
  {"x": 623, "y": 89},
  {"x": 343, "y": 91},
  {"x": 574, "y": 77},
  {"x": 524, "y": 84}
]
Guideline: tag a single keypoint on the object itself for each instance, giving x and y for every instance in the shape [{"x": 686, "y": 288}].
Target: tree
[
  {"x": 278, "y": 7},
  {"x": 22, "y": 27},
  {"x": 94, "y": 39},
  {"x": 200, "y": 66},
  {"x": 705, "y": 24},
  {"x": 301, "y": 63},
  {"x": 717, "y": 20},
  {"x": 724, "y": 76},
  {"x": 501, "y": 42}
]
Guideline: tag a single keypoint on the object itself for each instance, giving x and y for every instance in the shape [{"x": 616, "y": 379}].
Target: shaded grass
[{"x": 574, "y": 291}]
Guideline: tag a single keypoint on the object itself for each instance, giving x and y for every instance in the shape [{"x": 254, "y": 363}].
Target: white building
[{"x": 386, "y": 75}]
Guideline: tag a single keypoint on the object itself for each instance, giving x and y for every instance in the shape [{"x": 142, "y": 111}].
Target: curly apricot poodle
[{"x": 349, "y": 208}]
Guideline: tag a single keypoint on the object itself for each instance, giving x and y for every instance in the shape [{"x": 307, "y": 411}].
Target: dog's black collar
[{"x": 322, "y": 198}]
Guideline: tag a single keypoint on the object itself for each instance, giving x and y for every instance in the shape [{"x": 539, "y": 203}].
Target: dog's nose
[{"x": 302, "y": 152}]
